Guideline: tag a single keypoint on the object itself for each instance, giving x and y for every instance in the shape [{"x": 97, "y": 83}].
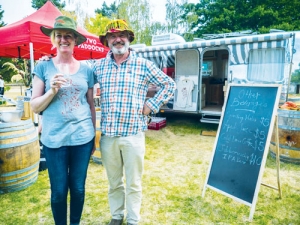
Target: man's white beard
[{"x": 120, "y": 51}]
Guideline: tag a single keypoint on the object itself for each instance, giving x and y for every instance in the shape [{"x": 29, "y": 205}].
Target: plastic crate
[{"x": 157, "y": 123}]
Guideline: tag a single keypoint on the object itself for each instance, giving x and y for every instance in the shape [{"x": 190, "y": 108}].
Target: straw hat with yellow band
[
  {"x": 64, "y": 23},
  {"x": 115, "y": 26}
]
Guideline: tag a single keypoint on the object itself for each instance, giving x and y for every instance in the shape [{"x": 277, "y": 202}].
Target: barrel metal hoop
[
  {"x": 289, "y": 114},
  {"x": 20, "y": 171},
  {"x": 285, "y": 146},
  {"x": 19, "y": 186},
  {"x": 26, "y": 126},
  {"x": 285, "y": 127},
  {"x": 16, "y": 124},
  {"x": 20, "y": 178},
  {"x": 4, "y": 146},
  {"x": 286, "y": 159}
]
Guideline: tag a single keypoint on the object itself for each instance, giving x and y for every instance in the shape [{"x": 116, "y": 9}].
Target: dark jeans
[
  {"x": 67, "y": 169},
  {"x": 1, "y": 90}
]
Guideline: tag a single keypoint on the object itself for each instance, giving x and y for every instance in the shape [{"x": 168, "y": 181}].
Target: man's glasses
[{"x": 114, "y": 36}]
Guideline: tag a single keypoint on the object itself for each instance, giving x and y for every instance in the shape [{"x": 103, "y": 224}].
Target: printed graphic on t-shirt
[
  {"x": 184, "y": 93},
  {"x": 70, "y": 98}
]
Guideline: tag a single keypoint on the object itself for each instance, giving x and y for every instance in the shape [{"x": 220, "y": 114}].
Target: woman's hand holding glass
[{"x": 64, "y": 74}]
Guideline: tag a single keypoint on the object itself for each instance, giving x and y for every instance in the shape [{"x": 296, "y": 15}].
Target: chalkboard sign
[{"x": 243, "y": 136}]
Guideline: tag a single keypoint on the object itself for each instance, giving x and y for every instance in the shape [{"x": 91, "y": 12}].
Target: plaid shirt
[{"x": 123, "y": 92}]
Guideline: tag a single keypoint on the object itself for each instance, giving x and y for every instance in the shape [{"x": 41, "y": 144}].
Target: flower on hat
[{"x": 115, "y": 26}]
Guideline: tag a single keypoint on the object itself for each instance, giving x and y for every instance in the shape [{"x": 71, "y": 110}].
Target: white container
[{"x": 10, "y": 116}]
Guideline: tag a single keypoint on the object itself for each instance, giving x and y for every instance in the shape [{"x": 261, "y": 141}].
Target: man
[{"x": 123, "y": 80}]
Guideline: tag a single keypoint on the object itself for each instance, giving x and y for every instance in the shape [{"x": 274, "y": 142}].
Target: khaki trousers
[{"x": 124, "y": 155}]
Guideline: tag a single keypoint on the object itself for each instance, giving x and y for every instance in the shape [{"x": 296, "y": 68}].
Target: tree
[
  {"x": 108, "y": 11},
  {"x": 19, "y": 67},
  {"x": 137, "y": 15},
  {"x": 2, "y": 24},
  {"x": 179, "y": 18},
  {"x": 175, "y": 23},
  {"x": 3, "y": 71},
  {"x": 295, "y": 78},
  {"x": 37, "y": 4},
  {"x": 158, "y": 28},
  {"x": 135, "y": 12},
  {"x": 288, "y": 14},
  {"x": 189, "y": 17},
  {"x": 222, "y": 16},
  {"x": 80, "y": 10},
  {"x": 97, "y": 25},
  {"x": 5, "y": 74}
]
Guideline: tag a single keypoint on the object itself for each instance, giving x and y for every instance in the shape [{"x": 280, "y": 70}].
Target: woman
[
  {"x": 1, "y": 85},
  {"x": 68, "y": 119}
]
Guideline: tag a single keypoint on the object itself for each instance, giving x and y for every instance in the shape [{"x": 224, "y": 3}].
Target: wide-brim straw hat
[
  {"x": 64, "y": 23},
  {"x": 115, "y": 26}
]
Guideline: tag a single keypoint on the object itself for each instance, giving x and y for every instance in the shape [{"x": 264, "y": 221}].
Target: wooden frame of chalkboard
[{"x": 242, "y": 142}]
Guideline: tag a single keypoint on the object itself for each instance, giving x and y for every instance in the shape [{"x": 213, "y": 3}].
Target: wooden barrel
[
  {"x": 97, "y": 154},
  {"x": 19, "y": 155},
  {"x": 289, "y": 136},
  {"x": 296, "y": 100}
]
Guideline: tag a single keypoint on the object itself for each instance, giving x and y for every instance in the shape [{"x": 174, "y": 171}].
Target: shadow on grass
[{"x": 187, "y": 123}]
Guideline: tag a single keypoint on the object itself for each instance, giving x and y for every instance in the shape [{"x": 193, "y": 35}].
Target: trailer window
[
  {"x": 266, "y": 65},
  {"x": 207, "y": 68}
]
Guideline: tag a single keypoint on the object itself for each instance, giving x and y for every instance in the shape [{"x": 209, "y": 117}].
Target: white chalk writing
[
  {"x": 244, "y": 130},
  {"x": 91, "y": 44}
]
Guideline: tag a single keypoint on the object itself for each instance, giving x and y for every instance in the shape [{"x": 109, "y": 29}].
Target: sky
[{"x": 15, "y": 10}]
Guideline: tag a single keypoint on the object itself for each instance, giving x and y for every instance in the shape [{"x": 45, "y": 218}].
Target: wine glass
[{"x": 64, "y": 69}]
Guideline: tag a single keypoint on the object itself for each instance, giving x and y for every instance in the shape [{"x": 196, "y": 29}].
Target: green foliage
[
  {"x": 108, "y": 11},
  {"x": 5, "y": 72},
  {"x": 2, "y": 24},
  {"x": 295, "y": 78},
  {"x": 137, "y": 14},
  {"x": 158, "y": 28},
  {"x": 222, "y": 16},
  {"x": 173, "y": 18},
  {"x": 97, "y": 25},
  {"x": 36, "y": 4},
  {"x": 17, "y": 67}
]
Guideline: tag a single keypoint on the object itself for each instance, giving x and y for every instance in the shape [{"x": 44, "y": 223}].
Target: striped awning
[
  {"x": 160, "y": 58},
  {"x": 240, "y": 52},
  {"x": 239, "y": 46}
]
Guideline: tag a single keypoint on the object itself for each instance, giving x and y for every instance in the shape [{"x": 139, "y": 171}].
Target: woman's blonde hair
[{"x": 52, "y": 37}]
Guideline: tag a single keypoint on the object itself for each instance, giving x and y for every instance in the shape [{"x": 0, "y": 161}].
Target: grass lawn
[{"x": 176, "y": 164}]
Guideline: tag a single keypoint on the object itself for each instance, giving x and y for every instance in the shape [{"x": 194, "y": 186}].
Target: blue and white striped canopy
[{"x": 164, "y": 56}]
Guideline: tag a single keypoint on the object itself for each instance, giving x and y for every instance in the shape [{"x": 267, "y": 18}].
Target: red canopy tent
[{"x": 24, "y": 39}]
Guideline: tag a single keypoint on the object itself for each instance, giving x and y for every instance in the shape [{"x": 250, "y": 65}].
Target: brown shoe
[{"x": 115, "y": 222}]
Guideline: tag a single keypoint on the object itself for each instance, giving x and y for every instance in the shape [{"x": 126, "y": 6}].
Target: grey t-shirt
[{"x": 67, "y": 121}]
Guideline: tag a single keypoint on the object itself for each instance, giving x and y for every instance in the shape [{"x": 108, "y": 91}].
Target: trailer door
[{"x": 187, "y": 80}]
